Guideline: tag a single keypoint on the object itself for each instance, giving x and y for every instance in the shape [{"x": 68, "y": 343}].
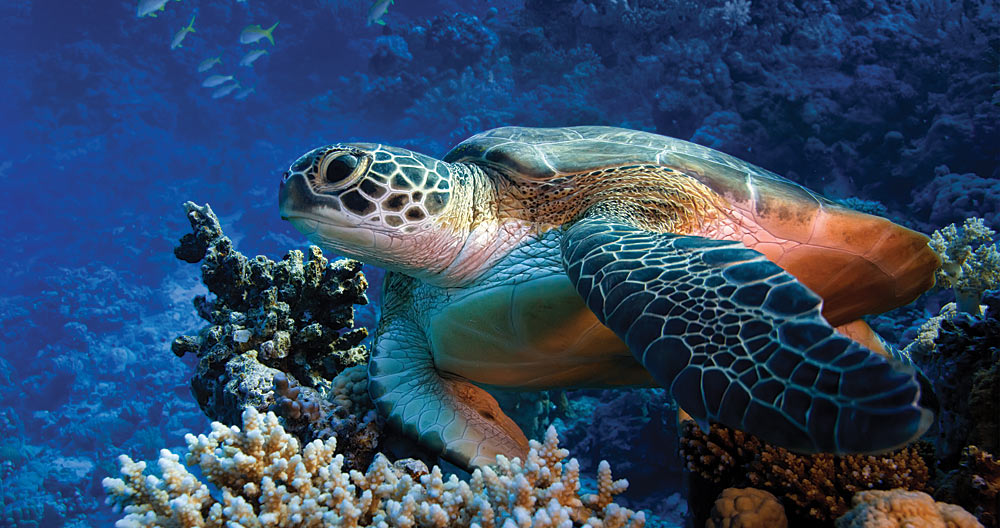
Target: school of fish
[
  {"x": 222, "y": 85},
  {"x": 226, "y": 84}
]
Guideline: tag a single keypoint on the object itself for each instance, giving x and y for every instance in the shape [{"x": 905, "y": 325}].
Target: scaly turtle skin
[{"x": 602, "y": 257}]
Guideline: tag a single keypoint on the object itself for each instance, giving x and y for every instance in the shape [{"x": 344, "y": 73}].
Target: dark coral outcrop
[
  {"x": 279, "y": 334},
  {"x": 964, "y": 365}
]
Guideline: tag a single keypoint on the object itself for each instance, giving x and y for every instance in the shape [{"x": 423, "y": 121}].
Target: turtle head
[{"x": 387, "y": 206}]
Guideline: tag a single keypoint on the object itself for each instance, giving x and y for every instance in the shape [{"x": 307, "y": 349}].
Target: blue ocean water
[{"x": 106, "y": 131}]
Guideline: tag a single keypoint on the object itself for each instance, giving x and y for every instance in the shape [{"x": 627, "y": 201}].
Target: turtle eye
[{"x": 338, "y": 168}]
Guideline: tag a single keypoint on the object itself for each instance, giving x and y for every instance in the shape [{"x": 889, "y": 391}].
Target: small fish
[
  {"x": 377, "y": 11},
  {"x": 225, "y": 90},
  {"x": 254, "y": 33},
  {"x": 242, "y": 94},
  {"x": 207, "y": 64},
  {"x": 248, "y": 59},
  {"x": 179, "y": 36},
  {"x": 216, "y": 80},
  {"x": 149, "y": 7}
]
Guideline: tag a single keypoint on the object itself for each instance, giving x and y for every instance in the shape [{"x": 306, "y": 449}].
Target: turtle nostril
[{"x": 284, "y": 177}]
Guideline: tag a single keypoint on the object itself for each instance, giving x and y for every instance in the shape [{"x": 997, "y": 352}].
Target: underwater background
[{"x": 892, "y": 106}]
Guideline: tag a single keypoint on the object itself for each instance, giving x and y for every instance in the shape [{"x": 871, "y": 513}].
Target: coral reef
[
  {"x": 533, "y": 411},
  {"x": 637, "y": 421},
  {"x": 963, "y": 364},
  {"x": 950, "y": 198},
  {"x": 267, "y": 479},
  {"x": 925, "y": 341},
  {"x": 815, "y": 489},
  {"x": 747, "y": 508},
  {"x": 974, "y": 485},
  {"x": 109, "y": 131},
  {"x": 970, "y": 262},
  {"x": 900, "y": 508},
  {"x": 864, "y": 95},
  {"x": 294, "y": 317},
  {"x": 343, "y": 410}
]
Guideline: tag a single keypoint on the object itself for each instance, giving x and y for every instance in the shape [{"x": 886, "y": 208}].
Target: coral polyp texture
[
  {"x": 747, "y": 508},
  {"x": 899, "y": 508},
  {"x": 815, "y": 489},
  {"x": 262, "y": 476},
  {"x": 290, "y": 321}
]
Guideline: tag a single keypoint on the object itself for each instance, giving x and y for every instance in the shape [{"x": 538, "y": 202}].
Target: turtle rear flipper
[{"x": 738, "y": 340}]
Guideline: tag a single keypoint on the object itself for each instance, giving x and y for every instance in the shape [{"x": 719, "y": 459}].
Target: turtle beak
[{"x": 297, "y": 199}]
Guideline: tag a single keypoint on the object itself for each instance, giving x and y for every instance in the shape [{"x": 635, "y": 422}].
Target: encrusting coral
[
  {"x": 261, "y": 476},
  {"x": 343, "y": 409},
  {"x": 900, "y": 508},
  {"x": 969, "y": 272},
  {"x": 815, "y": 489},
  {"x": 747, "y": 508}
]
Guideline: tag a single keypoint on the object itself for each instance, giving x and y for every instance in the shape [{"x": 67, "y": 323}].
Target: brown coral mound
[
  {"x": 815, "y": 489},
  {"x": 747, "y": 508},
  {"x": 904, "y": 509}
]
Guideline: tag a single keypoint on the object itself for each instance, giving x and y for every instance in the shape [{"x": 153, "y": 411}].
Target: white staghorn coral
[{"x": 263, "y": 478}]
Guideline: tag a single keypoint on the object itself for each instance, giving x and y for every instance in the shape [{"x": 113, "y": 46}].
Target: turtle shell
[{"x": 858, "y": 263}]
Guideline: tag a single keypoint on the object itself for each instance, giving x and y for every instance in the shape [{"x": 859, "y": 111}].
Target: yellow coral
[
  {"x": 968, "y": 271},
  {"x": 900, "y": 508},
  {"x": 747, "y": 508},
  {"x": 266, "y": 479},
  {"x": 926, "y": 340}
]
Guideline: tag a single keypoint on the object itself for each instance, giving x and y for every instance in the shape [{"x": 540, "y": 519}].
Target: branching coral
[
  {"x": 819, "y": 486},
  {"x": 265, "y": 478},
  {"x": 904, "y": 509},
  {"x": 969, "y": 272},
  {"x": 925, "y": 342},
  {"x": 814, "y": 488},
  {"x": 718, "y": 456}
]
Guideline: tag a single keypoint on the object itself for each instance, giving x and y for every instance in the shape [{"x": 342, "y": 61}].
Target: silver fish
[
  {"x": 179, "y": 36},
  {"x": 377, "y": 11},
  {"x": 253, "y": 33},
  {"x": 225, "y": 90},
  {"x": 149, "y": 7},
  {"x": 216, "y": 80},
  {"x": 250, "y": 57},
  {"x": 207, "y": 64}
]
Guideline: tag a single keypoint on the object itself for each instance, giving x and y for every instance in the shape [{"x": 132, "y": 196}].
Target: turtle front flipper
[
  {"x": 443, "y": 413},
  {"x": 738, "y": 340}
]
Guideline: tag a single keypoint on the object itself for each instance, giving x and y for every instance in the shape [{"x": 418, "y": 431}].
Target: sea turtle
[{"x": 536, "y": 258}]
